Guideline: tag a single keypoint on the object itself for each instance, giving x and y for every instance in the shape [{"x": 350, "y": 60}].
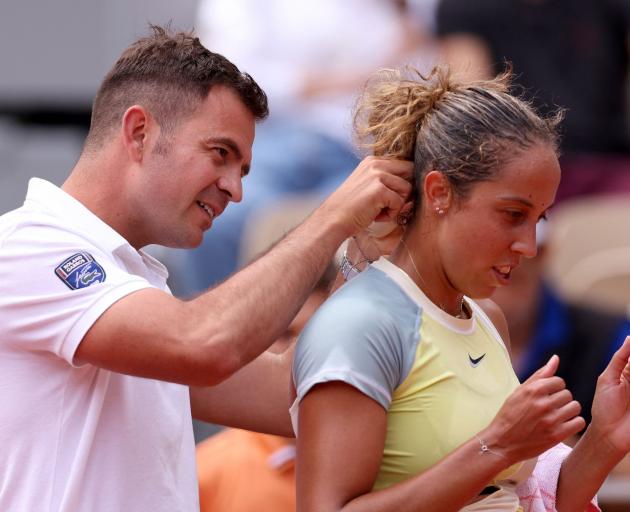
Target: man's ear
[
  {"x": 438, "y": 192},
  {"x": 136, "y": 126}
]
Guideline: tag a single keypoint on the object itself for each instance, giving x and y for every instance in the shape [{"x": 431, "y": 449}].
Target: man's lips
[{"x": 208, "y": 209}]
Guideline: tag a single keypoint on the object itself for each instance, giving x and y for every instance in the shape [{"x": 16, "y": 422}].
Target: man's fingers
[
  {"x": 407, "y": 207},
  {"x": 376, "y": 190},
  {"x": 397, "y": 195},
  {"x": 398, "y": 184},
  {"x": 387, "y": 215},
  {"x": 381, "y": 229},
  {"x": 402, "y": 168},
  {"x": 392, "y": 204}
]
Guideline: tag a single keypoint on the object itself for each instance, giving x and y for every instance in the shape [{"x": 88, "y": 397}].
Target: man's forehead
[
  {"x": 224, "y": 98},
  {"x": 223, "y": 116}
]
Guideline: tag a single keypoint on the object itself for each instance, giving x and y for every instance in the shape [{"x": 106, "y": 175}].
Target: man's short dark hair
[{"x": 169, "y": 74}]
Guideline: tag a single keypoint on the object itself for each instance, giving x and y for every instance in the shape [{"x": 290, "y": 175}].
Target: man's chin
[{"x": 192, "y": 241}]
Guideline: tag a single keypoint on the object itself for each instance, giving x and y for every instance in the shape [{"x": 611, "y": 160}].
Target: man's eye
[{"x": 222, "y": 151}]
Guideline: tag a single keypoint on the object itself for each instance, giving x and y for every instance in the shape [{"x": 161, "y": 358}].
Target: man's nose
[{"x": 232, "y": 185}]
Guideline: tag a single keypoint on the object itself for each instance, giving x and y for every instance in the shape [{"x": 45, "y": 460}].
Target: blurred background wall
[{"x": 52, "y": 58}]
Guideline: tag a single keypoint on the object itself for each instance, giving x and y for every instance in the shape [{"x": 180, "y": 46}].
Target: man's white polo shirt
[{"x": 75, "y": 437}]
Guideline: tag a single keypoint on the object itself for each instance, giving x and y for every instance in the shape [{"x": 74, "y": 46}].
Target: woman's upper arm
[{"x": 341, "y": 435}]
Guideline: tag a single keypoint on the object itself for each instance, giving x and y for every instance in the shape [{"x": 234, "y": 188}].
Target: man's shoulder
[
  {"x": 10, "y": 223},
  {"x": 26, "y": 237},
  {"x": 34, "y": 247}
]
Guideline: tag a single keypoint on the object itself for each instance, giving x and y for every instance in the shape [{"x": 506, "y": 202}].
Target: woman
[{"x": 406, "y": 399}]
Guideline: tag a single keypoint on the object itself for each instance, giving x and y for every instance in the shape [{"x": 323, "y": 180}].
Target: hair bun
[{"x": 394, "y": 104}]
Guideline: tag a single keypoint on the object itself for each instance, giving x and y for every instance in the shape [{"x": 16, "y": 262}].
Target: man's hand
[
  {"x": 380, "y": 238},
  {"x": 376, "y": 190}
]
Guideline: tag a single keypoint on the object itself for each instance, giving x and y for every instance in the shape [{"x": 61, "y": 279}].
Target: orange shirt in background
[{"x": 241, "y": 471}]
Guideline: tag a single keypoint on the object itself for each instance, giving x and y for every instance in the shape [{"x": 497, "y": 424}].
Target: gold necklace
[{"x": 462, "y": 313}]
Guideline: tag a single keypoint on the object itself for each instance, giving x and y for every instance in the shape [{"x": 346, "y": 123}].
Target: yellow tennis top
[
  {"x": 441, "y": 379},
  {"x": 460, "y": 377}
]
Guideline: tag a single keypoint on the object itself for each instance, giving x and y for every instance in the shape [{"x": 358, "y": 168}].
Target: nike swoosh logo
[{"x": 475, "y": 362}]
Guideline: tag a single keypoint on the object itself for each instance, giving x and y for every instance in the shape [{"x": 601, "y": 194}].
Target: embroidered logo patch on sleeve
[{"x": 80, "y": 270}]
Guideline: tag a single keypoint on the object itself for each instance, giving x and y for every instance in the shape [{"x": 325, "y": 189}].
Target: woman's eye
[{"x": 515, "y": 215}]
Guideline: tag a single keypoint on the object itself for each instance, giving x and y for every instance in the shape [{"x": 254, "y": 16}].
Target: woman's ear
[{"x": 438, "y": 192}]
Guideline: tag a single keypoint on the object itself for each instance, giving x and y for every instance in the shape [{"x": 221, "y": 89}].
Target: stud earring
[{"x": 439, "y": 210}]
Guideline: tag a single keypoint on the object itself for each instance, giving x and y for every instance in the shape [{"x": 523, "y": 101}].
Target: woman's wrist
[
  {"x": 597, "y": 443},
  {"x": 585, "y": 469},
  {"x": 490, "y": 438},
  {"x": 482, "y": 452}
]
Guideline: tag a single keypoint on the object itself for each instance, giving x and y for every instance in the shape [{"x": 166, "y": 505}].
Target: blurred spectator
[
  {"x": 572, "y": 53},
  {"x": 242, "y": 471},
  {"x": 541, "y": 324},
  {"x": 310, "y": 58}
]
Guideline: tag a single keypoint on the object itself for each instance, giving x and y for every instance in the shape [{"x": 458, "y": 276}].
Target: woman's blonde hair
[{"x": 466, "y": 130}]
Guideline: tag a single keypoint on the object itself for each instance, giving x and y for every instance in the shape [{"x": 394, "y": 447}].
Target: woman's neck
[{"x": 422, "y": 266}]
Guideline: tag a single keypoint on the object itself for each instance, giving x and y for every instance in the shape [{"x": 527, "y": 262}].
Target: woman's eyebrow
[{"x": 518, "y": 199}]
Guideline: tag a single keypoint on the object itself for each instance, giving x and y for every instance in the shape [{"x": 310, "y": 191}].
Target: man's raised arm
[{"x": 204, "y": 341}]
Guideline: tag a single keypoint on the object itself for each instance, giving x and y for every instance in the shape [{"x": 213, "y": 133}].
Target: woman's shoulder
[
  {"x": 492, "y": 313},
  {"x": 376, "y": 288},
  {"x": 365, "y": 334}
]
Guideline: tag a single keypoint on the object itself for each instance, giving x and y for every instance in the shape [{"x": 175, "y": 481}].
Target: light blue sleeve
[{"x": 365, "y": 335}]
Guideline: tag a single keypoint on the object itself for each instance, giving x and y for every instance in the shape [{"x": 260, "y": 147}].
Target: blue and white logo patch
[{"x": 80, "y": 270}]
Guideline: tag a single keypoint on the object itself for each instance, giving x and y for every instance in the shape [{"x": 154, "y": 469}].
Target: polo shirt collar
[{"x": 73, "y": 213}]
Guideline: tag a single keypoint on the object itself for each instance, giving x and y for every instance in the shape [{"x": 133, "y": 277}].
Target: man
[{"x": 96, "y": 356}]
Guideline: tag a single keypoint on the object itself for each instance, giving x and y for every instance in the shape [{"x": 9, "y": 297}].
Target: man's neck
[{"x": 96, "y": 183}]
